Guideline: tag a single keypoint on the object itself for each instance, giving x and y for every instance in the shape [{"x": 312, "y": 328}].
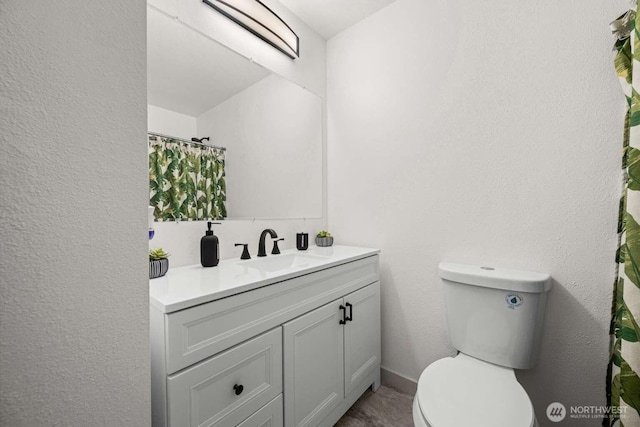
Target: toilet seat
[{"x": 464, "y": 391}]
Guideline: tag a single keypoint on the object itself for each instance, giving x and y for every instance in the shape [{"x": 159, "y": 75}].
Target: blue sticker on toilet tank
[{"x": 514, "y": 300}]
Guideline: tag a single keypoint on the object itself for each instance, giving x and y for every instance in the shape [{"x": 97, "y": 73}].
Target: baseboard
[{"x": 398, "y": 381}]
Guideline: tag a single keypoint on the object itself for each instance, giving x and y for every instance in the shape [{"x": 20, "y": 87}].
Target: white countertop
[{"x": 184, "y": 287}]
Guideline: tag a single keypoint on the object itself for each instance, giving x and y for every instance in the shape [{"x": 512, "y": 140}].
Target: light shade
[{"x": 254, "y": 16}]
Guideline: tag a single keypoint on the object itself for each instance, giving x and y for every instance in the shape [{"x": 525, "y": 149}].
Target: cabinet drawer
[
  {"x": 202, "y": 331},
  {"x": 209, "y": 394},
  {"x": 269, "y": 415}
]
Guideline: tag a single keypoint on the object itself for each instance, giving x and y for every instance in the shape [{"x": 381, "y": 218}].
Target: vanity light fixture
[{"x": 257, "y": 18}]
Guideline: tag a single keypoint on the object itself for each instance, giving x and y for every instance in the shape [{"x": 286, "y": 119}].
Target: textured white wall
[
  {"x": 483, "y": 133},
  {"x": 73, "y": 301},
  {"x": 161, "y": 120}
]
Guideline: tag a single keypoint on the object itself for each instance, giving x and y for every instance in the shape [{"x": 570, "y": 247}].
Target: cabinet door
[
  {"x": 313, "y": 365},
  {"x": 361, "y": 335}
]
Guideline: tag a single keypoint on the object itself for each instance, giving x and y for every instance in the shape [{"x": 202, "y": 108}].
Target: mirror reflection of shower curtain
[
  {"x": 186, "y": 181},
  {"x": 623, "y": 382}
]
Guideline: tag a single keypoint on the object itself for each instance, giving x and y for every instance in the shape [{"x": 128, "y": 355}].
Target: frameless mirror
[{"x": 271, "y": 128}]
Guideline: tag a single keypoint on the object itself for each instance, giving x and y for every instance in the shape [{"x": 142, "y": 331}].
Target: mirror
[{"x": 271, "y": 128}]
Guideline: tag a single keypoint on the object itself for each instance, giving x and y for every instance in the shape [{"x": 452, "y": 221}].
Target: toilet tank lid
[{"x": 497, "y": 278}]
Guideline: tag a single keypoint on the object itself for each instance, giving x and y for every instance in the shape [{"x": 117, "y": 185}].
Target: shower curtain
[
  {"x": 623, "y": 383},
  {"x": 186, "y": 181}
]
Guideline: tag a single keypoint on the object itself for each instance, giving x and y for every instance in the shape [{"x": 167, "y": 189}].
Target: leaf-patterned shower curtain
[
  {"x": 186, "y": 181},
  {"x": 623, "y": 388}
]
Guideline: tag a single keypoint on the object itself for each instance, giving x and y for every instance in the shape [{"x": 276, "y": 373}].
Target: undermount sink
[{"x": 272, "y": 263}]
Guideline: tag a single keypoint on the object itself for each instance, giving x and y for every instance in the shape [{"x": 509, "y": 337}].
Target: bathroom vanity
[{"x": 285, "y": 340}]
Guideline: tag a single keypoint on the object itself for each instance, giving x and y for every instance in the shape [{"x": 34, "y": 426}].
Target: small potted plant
[
  {"x": 323, "y": 238},
  {"x": 158, "y": 263}
]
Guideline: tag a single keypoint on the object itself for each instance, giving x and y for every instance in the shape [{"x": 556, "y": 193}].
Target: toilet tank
[{"x": 495, "y": 314}]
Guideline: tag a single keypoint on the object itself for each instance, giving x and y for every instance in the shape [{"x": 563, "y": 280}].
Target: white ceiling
[{"x": 329, "y": 17}]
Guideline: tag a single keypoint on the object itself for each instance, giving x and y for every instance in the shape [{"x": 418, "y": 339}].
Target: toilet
[{"x": 495, "y": 321}]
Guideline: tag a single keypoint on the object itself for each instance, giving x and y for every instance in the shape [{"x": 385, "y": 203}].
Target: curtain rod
[{"x": 186, "y": 141}]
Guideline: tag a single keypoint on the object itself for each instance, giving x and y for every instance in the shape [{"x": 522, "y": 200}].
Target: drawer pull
[
  {"x": 344, "y": 315},
  {"x": 238, "y": 389},
  {"x": 350, "y": 318}
]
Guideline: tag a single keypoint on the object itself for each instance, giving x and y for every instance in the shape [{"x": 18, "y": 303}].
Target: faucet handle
[
  {"x": 245, "y": 252},
  {"x": 276, "y": 249}
]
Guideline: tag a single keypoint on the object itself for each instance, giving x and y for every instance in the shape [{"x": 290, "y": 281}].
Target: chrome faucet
[{"x": 261, "y": 250}]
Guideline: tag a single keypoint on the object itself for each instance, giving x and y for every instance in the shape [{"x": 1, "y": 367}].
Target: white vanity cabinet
[{"x": 240, "y": 345}]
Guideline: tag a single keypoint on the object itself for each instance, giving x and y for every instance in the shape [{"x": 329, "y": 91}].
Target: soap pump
[{"x": 209, "y": 248}]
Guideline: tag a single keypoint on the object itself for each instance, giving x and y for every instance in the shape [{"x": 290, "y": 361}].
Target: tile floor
[{"x": 387, "y": 407}]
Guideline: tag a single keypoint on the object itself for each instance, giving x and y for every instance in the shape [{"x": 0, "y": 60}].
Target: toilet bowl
[{"x": 464, "y": 391}]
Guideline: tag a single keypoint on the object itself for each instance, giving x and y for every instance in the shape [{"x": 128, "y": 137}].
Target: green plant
[
  {"x": 323, "y": 234},
  {"x": 157, "y": 254}
]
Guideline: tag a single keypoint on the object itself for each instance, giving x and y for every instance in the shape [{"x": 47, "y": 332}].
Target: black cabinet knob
[{"x": 239, "y": 388}]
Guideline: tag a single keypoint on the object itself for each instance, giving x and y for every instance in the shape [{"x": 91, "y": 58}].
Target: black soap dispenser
[{"x": 209, "y": 248}]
